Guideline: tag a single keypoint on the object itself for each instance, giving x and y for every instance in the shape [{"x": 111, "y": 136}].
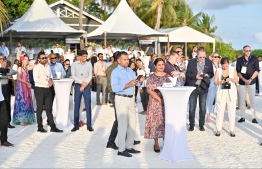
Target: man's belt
[{"x": 124, "y": 95}]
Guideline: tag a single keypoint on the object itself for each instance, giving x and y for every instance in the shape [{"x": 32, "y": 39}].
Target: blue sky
[{"x": 239, "y": 21}]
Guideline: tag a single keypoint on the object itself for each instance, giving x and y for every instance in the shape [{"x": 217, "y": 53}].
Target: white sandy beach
[{"x": 84, "y": 149}]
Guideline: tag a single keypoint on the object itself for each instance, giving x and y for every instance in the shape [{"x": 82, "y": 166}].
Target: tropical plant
[
  {"x": 4, "y": 19},
  {"x": 205, "y": 26},
  {"x": 185, "y": 16}
]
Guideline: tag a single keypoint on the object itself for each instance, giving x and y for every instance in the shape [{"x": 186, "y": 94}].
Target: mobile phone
[{"x": 139, "y": 77}]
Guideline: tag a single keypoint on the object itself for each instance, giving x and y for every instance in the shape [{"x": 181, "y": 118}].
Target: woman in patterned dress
[
  {"x": 23, "y": 108},
  {"x": 155, "y": 117}
]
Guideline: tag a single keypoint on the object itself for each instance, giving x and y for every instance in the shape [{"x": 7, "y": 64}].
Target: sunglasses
[
  {"x": 201, "y": 57},
  {"x": 248, "y": 50},
  {"x": 178, "y": 51},
  {"x": 217, "y": 57},
  {"x": 67, "y": 64},
  {"x": 52, "y": 58},
  {"x": 2, "y": 58},
  {"x": 43, "y": 58}
]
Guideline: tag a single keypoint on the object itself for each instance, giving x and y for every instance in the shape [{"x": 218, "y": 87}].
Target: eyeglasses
[
  {"x": 217, "y": 57},
  {"x": 43, "y": 58},
  {"x": 201, "y": 57},
  {"x": 248, "y": 50},
  {"x": 52, "y": 58}
]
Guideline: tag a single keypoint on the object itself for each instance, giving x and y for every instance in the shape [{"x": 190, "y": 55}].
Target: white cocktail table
[
  {"x": 175, "y": 143},
  {"x": 62, "y": 92}
]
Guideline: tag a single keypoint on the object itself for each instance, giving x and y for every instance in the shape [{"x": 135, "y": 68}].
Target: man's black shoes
[{"x": 111, "y": 145}]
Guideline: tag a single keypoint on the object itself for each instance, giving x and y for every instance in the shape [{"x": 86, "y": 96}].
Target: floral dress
[{"x": 155, "y": 117}]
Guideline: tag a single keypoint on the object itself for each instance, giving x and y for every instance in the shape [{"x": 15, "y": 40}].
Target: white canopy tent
[
  {"x": 123, "y": 24},
  {"x": 39, "y": 21},
  {"x": 186, "y": 35}
]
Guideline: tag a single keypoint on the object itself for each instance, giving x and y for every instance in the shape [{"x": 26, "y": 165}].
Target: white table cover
[
  {"x": 62, "y": 91},
  {"x": 260, "y": 78},
  {"x": 175, "y": 143}
]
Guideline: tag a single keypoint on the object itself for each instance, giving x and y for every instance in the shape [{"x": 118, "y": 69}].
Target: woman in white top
[
  {"x": 226, "y": 78},
  {"x": 211, "y": 95}
]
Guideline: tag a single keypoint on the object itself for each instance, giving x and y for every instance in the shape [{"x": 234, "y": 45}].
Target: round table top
[
  {"x": 177, "y": 88},
  {"x": 63, "y": 80}
]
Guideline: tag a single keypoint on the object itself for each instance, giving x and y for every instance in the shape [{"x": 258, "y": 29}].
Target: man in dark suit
[{"x": 198, "y": 70}]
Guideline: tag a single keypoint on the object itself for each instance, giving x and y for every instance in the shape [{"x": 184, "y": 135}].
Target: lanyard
[{"x": 246, "y": 62}]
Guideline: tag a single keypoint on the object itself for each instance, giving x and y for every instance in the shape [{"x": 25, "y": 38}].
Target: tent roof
[
  {"x": 40, "y": 21},
  {"x": 123, "y": 23},
  {"x": 185, "y": 34}
]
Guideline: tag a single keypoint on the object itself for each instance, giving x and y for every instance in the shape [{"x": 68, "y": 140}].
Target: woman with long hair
[{"x": 23, "y": 108}]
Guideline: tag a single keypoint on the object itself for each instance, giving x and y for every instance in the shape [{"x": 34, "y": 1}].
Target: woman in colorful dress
[
  {"x": 155, "y": 117},
  {"x": 23, "y": 108}
]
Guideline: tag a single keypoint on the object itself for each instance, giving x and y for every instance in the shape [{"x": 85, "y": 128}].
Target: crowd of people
[{"x": 119, "y": 75}]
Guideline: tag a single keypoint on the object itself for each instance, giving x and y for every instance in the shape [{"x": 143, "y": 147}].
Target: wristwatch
[{"x": 251, "y": 79}]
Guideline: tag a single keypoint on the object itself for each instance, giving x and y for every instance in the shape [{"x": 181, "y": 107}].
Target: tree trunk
[
  {"x": 157, "y": 26},
  {"x": 159, "y": 15},
  {"x": 81, "y": 7}
]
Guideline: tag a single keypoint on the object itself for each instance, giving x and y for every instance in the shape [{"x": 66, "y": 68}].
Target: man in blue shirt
[
  {"x": 55, "y": 67},
  {"x": 123, "y": 81}
]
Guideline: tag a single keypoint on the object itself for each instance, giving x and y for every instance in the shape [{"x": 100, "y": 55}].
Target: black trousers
[
  {"x": 136, "y": 90},
  {"x": 114, "y": 129},
  {"x": 52, "y": 90},
  {"x": 3, "y": 121},
  {"x": 144, "y": 97},
  {"x": 6, "y": 90},
  {"x": 43, "y": 97}
]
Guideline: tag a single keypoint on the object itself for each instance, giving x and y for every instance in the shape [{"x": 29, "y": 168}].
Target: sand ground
[{"x": 83, "y": 149}]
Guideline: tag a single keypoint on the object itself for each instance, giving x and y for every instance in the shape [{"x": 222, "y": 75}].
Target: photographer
[
  {"x": 226, "y": 78},
  {"x": 3, "y": 111},
  {"x": 5, "y": 73}
]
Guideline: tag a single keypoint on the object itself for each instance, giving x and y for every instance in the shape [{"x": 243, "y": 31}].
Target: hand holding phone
[{"x": 139, "y": 77}]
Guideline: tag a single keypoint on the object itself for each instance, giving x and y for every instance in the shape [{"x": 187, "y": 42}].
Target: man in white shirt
[
  {"x": 4, "y": 50},
  {"x": 59, "y": 50},
  {"x": 100, "y": 73},
  {"x": 19, "y": 50},
  {"x": 3, "y": 116},
  {"x": 43, "y": 80},
  {"x": 30, "y": 53},
  {"x": 104, "y": 51}
]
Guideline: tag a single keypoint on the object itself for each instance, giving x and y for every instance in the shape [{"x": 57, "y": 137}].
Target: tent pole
[
  {"x": 64, "y": 45},
  {"x": 168, "y": 42},
  {"x": 105, "y": 40},
  {"x": 185, "y": 54},
  {"x": 11, "y": 39},
  {"x": 214, "y": 46}
]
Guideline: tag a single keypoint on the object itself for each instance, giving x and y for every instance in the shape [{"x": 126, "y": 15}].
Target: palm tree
[
  {"x": 204, "y": 25},
  {"x": 4, "y": 19},
  {"x": 185, "y": 16}
]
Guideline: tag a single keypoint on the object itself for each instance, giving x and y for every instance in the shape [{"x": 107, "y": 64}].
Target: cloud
[
  {"x": 258, "y": 37},
  {"x": 218, "y": 4}
]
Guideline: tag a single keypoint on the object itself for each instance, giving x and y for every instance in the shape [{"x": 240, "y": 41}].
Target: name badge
[
  {"x": 244, "y": 69},
  {"x": 167, "y": 85}
]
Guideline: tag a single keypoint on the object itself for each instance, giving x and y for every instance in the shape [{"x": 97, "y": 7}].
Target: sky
[{"x": 239, "y": 21}]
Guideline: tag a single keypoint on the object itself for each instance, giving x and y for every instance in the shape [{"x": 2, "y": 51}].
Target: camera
[
  {"x": 4, "y": 71},
  {"x": 202, "y": 75},
  {"x": 226, "y": 85}
]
